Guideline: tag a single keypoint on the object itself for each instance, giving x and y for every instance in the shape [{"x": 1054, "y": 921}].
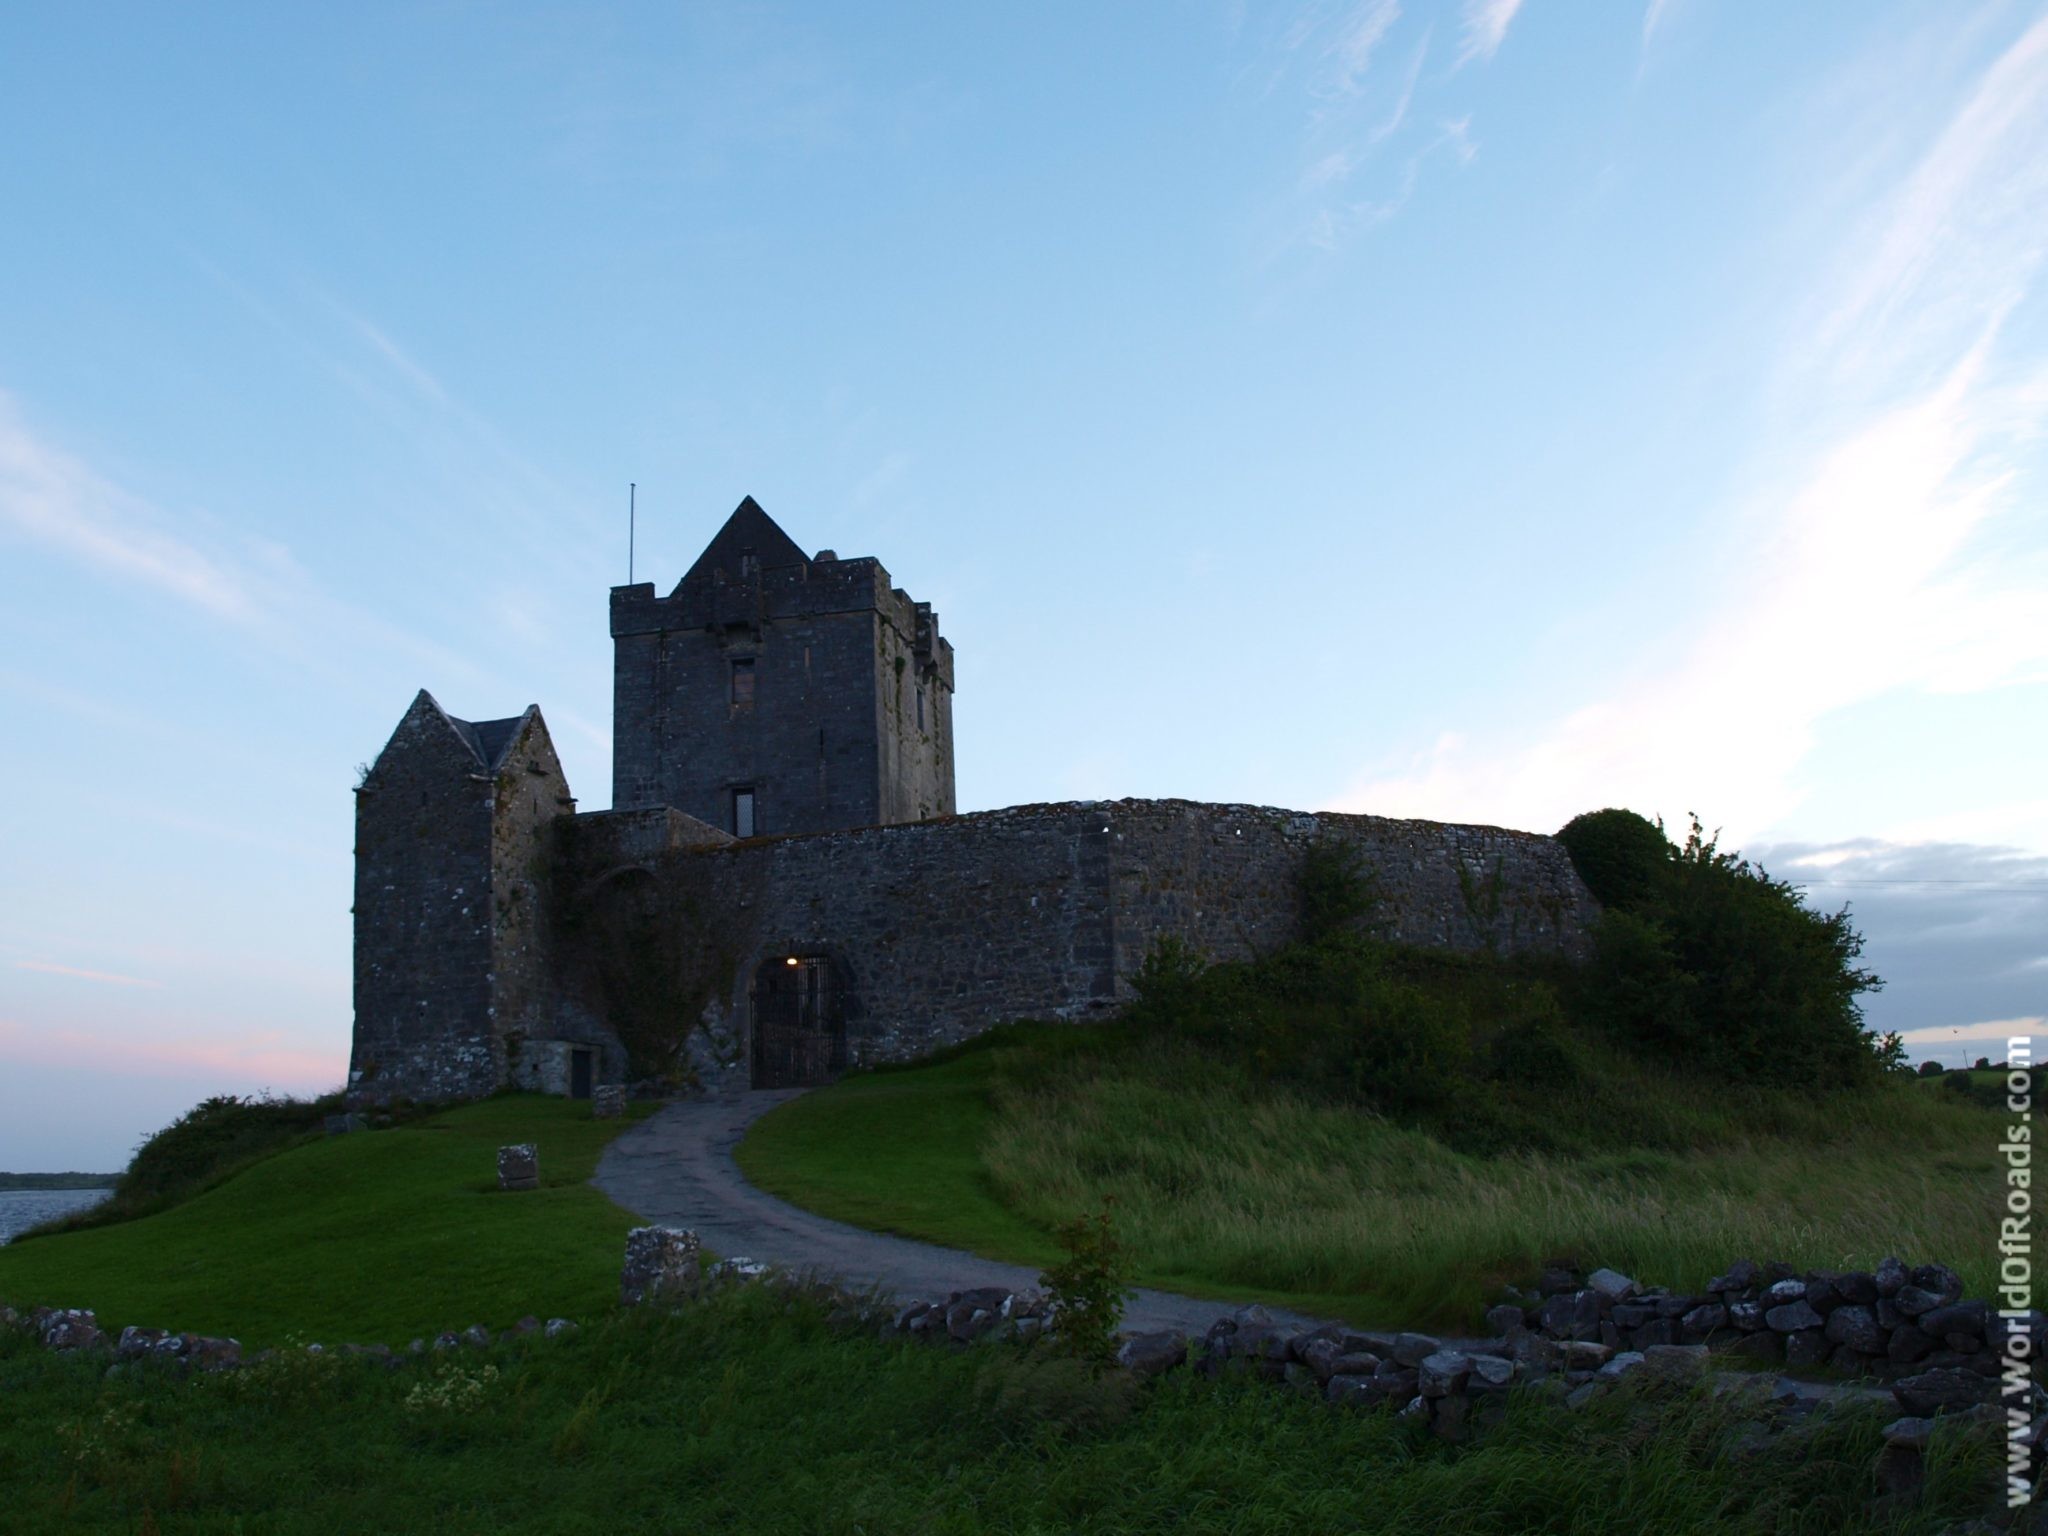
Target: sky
[{"x": 1487, "y": 410}]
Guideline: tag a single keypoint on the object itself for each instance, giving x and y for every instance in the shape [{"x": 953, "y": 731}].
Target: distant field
[
  {"x": 1227, "y": 1187},
  {"x": 372, "y": 1237}
]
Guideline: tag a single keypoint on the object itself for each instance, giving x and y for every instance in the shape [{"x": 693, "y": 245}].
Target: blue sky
[{"x": 1480, "y": 410}]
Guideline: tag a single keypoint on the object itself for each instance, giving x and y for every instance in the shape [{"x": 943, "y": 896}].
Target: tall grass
[
  {"x": 1219, "y": 1178},
  {"x": 746, "y": 1414}
]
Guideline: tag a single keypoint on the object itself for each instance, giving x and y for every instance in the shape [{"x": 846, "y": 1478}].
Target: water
[{"x": 21, "y": 1209}]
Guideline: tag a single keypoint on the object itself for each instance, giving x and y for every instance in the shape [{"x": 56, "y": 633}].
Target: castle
[{"x": 783, "y": 889}]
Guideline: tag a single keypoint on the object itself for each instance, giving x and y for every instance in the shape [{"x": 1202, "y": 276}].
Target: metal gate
[{"x": 799, "y": 1018}]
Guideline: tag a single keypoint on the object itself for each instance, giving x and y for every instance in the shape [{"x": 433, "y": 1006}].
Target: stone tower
[
  {"x": 773, "y": 692},
  {"x": 451, "y": 970}
]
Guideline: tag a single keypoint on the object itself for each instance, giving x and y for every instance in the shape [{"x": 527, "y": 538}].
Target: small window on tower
[
  {"x": 743, "y": 682},
  {"x": 743, "y": 813},
  {"x": 920, "y": 709},
  {"x": 749, "y": 562}
]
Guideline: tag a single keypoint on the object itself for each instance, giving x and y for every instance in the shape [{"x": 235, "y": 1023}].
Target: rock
[
  {"x": 1320, "y": 1356},
  {"x": 660, "y": 1261},
  {"x": 1656, "y": 1333},
  {"x": 1915, "y": 1301},
  {"x": 1584, "y": 1354},
  {"x": 1857, "y": 1287},
  {"x": 1418, "y": 1408},
  {"x": 1442, "y": 1373},
  {"x": 908, "y": 1314},
  {"x": 1583, "y": 1394},
  {"x": 1740, "y": 1277},
  {"x": 1746, "y": 1315},
  {"x": 1933, "y": 1392},
  {"x": 1573, "y": 1316},
  {"x": 212, "y": 1354},
  {"x": 519, "y": 1167},
  {"x": 1490, "y": 1373},
  {"x": 443, "y": 1342},
  {"x": 739, "y": 1269},
  {"x": 1300, "y": 1379},
  {"x": 1939, "y": 1281},
  {"x": 73, "y": 1329},
  {"x": 134, "y": 1343},
  {"x": 1363, "y": 1363},
  {"x": 1505, "y": 1319},
  {"x": 1632, "y": 1314},
  {"x": 1784, "y": 1293},
  {"x": 1791, "y": 1317},
  {"x": 1806, "y": 1348},
  {"x": 1558, "y": 1279},
  {"x": 1536, "y": 1354},
  {"x": 1888, "y": 1314},
  {"x": 1914, "y": 1432},
  {"x": 1612, "y": 1284},
  {"x": 477, "y": 1336},
  {"x": 1411, "y": 1349},
  {"x": 1253, "y": 1316},
  {"x": 527, "y": 1324},
  {"x": 558, "y": 1328},
  {"x": 1969, "y": 1317},
  {"x": 1619, "y": 1366},
  {"x": 1354, "y": 1391},
  {"x": 1857, "y": 1328},
  {"x": 1821, "y": 1294},
  {"x": 1146, "y": 1355},
  {"x": 1448, "y": 1416},
  {"x": 1891, "y": 1277},
  {"x": 1764, "y": 1345},
  {"x": 1710, "y": 1317},
  {"x": 1678, "y": 1364},
  {"x": 965, "y": 1321},
  {"x": 1907, "y": 1345},
  {"x": 608, "y": 1101}
]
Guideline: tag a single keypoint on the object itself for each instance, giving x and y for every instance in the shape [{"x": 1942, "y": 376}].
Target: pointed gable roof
[
  {"x": 748, "y": 531},
  {"x": 489, "y": 740}
]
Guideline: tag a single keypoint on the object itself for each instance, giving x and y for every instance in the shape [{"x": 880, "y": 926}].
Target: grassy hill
[{"x": 373, "y": 1237}]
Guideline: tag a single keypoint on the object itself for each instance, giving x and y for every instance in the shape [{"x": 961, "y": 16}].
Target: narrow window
[
  {"x": 743, "y": 682},
  {"x": 920, "y": 709},
  {"x": 749, "y": 562},
  {"x": 743, "y": 813}
]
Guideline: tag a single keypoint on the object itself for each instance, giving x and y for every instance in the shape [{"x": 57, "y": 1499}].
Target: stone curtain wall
[
  {"x": 944, "y": 929},
  {"x": 1225, "y": 878}
]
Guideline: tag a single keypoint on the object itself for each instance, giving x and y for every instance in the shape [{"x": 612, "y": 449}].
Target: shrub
[
  {"x": 1930, "y": 1069},
  {"x": 1621, "y": 856},
  {"x": 1088, "y": 1286},
  {"x": 1724, "y": 968},
  {"x": 1337, "y": 891}
]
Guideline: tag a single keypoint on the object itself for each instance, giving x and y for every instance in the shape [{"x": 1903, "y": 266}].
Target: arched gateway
[{"x": 797, "y": 1006}]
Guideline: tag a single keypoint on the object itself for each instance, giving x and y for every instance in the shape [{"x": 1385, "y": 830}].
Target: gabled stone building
[{"x": 783, "y": 889}]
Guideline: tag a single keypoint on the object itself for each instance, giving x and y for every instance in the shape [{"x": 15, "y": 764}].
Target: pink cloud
[
  {"x": 261, "y": 1060},
  {"x": 50, "y": 969}
]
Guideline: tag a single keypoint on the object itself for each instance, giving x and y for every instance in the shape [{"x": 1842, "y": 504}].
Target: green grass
[
  {"x": 1230, "y": 1187},
  {"x": 745, "y": 1414},
  {"x": 373, "y": 1237}
]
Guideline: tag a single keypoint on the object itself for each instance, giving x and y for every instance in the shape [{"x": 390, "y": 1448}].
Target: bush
[
  {"x": 1621, "y": 856},
  {"x": 1087, "y": 1288},
  {"x": 1724, "y": 968},
  {"x": 1337, "y": 890},
  {"x": 1930, "y": 1069}
]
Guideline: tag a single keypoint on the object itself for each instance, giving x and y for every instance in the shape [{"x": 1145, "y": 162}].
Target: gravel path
[{"x": 676, "y": 1169}]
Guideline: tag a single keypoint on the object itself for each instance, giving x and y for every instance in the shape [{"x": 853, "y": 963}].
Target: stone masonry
[{"x": 861, "y": 907}]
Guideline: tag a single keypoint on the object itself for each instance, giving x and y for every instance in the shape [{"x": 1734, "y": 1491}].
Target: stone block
[
  {"x": 659, "y": 1261},
  {"x": 519, "y": 1167},
  {"x": 608, "y": 1101}
]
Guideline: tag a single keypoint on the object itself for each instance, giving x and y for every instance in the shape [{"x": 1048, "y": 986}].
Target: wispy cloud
[
  {"x": 1868, "y": 545},
  {"x": 48, "y": 968},
  {"x": 1483, "y": 26},
  {"x": 1996, "y": 1031},
  {"x": 53, "y": 500},
  {"x": 1655, "y": 14},
  {"x": 1348, "y": 53}
]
